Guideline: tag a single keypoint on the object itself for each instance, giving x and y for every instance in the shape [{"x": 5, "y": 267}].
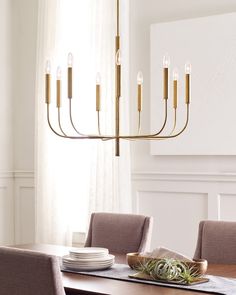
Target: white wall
[
  {"x": 6, "y": 130},
  {"x": 6, "y": 109},
  {"x": 24, "y": 55},
  {"x": 170, "y": 187},
  {"x": 18, "y": 20},
  {"x": 24, "y": 35}
]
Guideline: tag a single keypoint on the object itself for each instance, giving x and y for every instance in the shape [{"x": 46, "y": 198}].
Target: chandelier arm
[
  {"x": 164, "y": 123},
  {"x": 106, "y": 137},
  {"x": 175, "y": 122},
  {"x": 72, "y": 122},
  {"x": 127, "y": 137},
  {"x": 151, "y": 137},
  {"x": 139, "y": 122},
  {"x": 98, "y": 121},
  {"x": 50, "y": 125},
  {"x": 59, "y": 122},
  {"x": 181, "y": 131},
  {"x": 185, "y": 126}
]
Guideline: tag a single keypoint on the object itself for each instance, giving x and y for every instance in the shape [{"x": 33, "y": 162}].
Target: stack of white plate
[{"x": 88, "y": 259}]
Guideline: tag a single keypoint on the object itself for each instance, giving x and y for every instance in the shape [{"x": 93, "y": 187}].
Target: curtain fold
[{"x": 74, "y": 177}]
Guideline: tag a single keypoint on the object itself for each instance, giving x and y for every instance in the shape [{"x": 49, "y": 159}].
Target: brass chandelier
[{"x": 117, "y": 136}]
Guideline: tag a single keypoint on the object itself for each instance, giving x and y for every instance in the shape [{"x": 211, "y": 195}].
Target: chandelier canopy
[{"x": 117, "y": 136}]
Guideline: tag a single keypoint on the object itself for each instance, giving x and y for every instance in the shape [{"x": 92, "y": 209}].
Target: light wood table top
[{"x": 83, "y": 284}]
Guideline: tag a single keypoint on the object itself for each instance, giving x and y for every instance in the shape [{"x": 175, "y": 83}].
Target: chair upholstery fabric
[
  {"x": 24, "y": 272},
  {"x": 120, "y": 233},
  {"x": 216, "y": 242}
]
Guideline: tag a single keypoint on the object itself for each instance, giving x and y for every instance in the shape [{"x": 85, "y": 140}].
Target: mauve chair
[
  {"x": 24, "y": 272},
  {"x": 216, "y": 242},
  {"x": 120, "y": 233}
]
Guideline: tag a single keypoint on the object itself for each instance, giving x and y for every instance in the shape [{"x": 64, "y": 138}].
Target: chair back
[
  {"x": 216, "y": 242},
  {"x": 24, "y": 272},
  {"x": 120, "y": 233}
]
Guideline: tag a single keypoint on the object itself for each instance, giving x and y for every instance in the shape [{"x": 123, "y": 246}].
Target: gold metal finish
[
  {"x": 70, "y": 82},
  {"x": 165, "y": 86},
  {"x": 58, "y": 93},
  {"x": 98, "y": 98},
  {"x": 139, "y": 97},
  {"x": 48, "y": 89},
  {"x": 157, "y": 135},
  {"x": 187, "y": 88},
  {"x": 118, "y": 82},
  {"x": 175, "y": 94}
]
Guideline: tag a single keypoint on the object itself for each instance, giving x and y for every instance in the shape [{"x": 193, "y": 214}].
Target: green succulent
[{"x": 169, "y": 269}]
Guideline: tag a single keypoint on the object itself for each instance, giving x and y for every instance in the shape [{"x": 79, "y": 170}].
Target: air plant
[{"x": 169, "y": 269}]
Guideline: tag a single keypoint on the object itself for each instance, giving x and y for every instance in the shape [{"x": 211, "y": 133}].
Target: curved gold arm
[
  {"x": 75, "y": 137},
  {"x": 139, "y": 122},
  {"x": 180, "y": 132},
  {"x": 71, "y": 120},
  {"x": 98, "y": 121},
  {"x": 127, "y": 137},
  {"x": 175, "y": 122},
  {"x": 151, "y": 137},
  {"x": 59, "y": 122},
  {"x": 50, "y": 125},
  {"x": 165, "y": 121},
  {"x": 162, "y": 127}
]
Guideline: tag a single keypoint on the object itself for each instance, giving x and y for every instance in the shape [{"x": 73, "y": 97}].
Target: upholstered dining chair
[
  {"x": 120, "y": 233},
  {"x": 24, "y": 272},
  {"x": 216, "y": 242}
]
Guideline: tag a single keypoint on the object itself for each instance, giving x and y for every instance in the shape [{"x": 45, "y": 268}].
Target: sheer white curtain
[{"x": 76, "y": 177}]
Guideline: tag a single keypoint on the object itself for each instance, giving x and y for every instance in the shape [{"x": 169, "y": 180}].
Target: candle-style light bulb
[
  {"x": 98, "y": 79},
  {"x": 188, "y": 68},
  {"x": 140, "y": 78},
  {"x": 70, "y": 75},
  {"x": 70, "y": 60},
  {"x": 58, "y": 73},
  {"x": 175, "y": 74},
  {"x": 118, "y": 57},
  {"x": 48, "y": 67},
  {"x": 166, "y": 64},
  {"x": 140, "y": 90},
  {"x": 166, "y": 61}
]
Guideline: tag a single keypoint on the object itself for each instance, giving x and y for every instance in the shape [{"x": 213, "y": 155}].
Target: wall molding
[
  {"x": 6, "y": 174},
  {"x": 17, "y": 174},
  {"x": 20, "y": 196},
  {"x": 184, "y": 176},
  {"x": 24, "y": 174},
  {"x": 213, "y": 196}
]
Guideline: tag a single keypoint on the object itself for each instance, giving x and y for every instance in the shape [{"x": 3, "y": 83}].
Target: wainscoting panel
[
  {"x": 179, "y": 201},
  {"x": 227, "y": 207},
  {"x": 6, "y": 209},
  {"x": 24, "y": 207}
]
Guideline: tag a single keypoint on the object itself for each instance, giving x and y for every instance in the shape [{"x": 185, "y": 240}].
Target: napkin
[{"x": 162, "y": 252}]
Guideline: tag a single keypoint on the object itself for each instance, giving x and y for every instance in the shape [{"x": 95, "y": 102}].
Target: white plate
[
  {"x": 90, "y": 268},
  {"x": 108, "y": 257},
  {"x": 89, "y": 251},
  {"x": 90, "y": 264}
]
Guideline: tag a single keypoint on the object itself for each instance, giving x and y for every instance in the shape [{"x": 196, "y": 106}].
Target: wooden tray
[
  {"x": 134, "y": 260},
  {"x": 143, "y": 276}
]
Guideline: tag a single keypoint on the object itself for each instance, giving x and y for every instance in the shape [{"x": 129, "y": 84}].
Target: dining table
[{"x": 75, "y": 283}]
